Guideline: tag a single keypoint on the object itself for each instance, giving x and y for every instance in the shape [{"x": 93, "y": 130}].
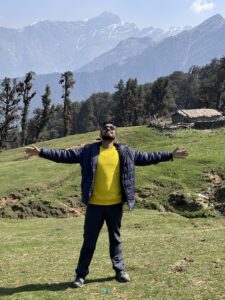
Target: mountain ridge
[
  {"x": 146, "y": 61},
  {"x": 57, "y": 46},
  {"x": 179, "y": 52}
]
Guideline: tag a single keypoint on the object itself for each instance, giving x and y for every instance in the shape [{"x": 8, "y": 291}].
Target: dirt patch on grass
[
  {"x": 8, "y": 200},
  {"x": 181, "y": 265},
  {"x": 182, "y": 201},
  {"x": 23, "y": 205},
  {"x": 148, "y": 198},
  {"x": 206, "y": 203},
  {"x": 42, "y": 209},
  {"x": 214, "y": 177},
  {"x": 216, "y": 190}
]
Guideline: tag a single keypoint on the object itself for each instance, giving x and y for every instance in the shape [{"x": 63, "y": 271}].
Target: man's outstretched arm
[
  {"x": 148, "y": 158},
  {"x": 56, "y": 155}
]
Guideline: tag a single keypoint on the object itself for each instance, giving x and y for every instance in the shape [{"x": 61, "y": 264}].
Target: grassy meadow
[
  {"x": 51, "y": 188},
  {"x": 168, "y": 256}
]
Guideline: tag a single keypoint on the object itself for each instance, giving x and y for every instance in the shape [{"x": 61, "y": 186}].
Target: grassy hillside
[
  {"x": 167, "y": 256},
  {"x": 42, "y": 188}
]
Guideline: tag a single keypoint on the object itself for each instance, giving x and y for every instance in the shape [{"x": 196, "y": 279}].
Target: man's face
[{"x": 108, "y": 132}]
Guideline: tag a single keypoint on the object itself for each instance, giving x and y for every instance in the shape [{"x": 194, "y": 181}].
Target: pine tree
[
  {"x": 179, "y": 88},
  {"x": 8, "y": 111},
  {"x": 86, "y": 119},
  {"x": 76, "y": 107},
  {"x": 193, "y": 97},
  {"x": 118, "y": 99},
  {"x": 67, "y": 84},
  {"x": 55, "y": 127},
  {"x": 131, "y": 95},
  {"x": 220, "y": 85},
  {"x": 24, "y": 91},
  {"x": 139, "y": 118},
  {"x": 103, "y": 107},
  {"x": 160, "y": 101},
  {"x": 42, "y": 116},
  {"x": 128, "y": 99}
]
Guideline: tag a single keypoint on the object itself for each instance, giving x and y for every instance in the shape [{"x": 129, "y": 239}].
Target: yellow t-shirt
[{"x": 107, "y": 190}]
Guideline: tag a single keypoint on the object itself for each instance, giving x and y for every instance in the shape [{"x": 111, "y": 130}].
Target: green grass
[
  {"x": 41, "y": 180},
  {"x": 167, "y": 257}
]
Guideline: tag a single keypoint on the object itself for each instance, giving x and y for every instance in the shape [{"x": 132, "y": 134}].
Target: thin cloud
[{"x": 199, "y": 6}]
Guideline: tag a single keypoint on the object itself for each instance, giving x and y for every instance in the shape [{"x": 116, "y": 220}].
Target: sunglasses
[{"x": 111, "y": 127}]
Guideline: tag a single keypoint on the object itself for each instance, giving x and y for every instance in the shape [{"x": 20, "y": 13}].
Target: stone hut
[
  {"x": 196, "y": 115},
  {"x": 199, "y": 118}
]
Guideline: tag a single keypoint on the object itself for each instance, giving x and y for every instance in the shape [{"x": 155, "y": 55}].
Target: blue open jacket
[{"x": 87, "y": 157}]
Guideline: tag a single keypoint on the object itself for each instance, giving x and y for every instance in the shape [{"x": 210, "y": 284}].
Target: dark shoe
[
  {"x": 122, "y": 276},
  {"x": 78, "y": 282}
]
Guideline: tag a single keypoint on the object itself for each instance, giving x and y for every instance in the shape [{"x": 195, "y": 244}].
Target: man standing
[{"x": 108, "y": 174}]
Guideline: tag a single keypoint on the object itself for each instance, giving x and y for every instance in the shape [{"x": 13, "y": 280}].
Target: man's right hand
[{"x": 31, "y": 151}]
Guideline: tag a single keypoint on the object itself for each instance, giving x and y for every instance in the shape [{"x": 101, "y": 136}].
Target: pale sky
[{"x": 144, "y": 13}]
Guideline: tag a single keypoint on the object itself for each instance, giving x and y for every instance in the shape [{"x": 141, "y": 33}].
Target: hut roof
[{"x": 202, "y": 112}]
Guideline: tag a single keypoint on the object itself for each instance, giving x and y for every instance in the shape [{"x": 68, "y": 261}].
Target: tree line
[{"x": 130, "y": 105}]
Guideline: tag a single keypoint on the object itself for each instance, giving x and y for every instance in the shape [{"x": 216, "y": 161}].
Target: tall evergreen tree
[
  {"x": 76, "y": 107},
  {"x": 92, "y": 112},
  {"x": 103, "y": 107},
  {"x": 179, "y": 88},
  {"x": 67, "y": 84},
  {"x": 86, "y": 119},
  {"x": 42, "y": 116},
  {"x": 160, "y": 101},
  {"x": 8, "y": 111},
  {"x": 24, "y": 89},
  {"x": 119, "y": 103},
  {"x": 128, "y": 98},
  {"x": 139, "y": 117},
  {"x": 220, "y": 85},
  {"x": 55, "y": 127},
  {"x": 191, "y": 89},
  {"x": 131, "y": 96}
]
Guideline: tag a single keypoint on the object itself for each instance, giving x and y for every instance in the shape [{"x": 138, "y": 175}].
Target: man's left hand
[{"x": 180, "y": 153}]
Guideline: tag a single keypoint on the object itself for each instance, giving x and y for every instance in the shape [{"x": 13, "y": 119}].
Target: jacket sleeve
[
  {"x": 69, "y": 156},
  {"x": 148, "y": 158}
]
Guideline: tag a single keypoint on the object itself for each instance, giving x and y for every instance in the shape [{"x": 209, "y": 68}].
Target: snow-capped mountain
[
  {"x": 197, "y": 46},
  {"x": 47, "y": 47}
]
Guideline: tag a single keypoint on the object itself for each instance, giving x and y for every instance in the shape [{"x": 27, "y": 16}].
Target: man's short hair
[{"x": 107, "y": 122}]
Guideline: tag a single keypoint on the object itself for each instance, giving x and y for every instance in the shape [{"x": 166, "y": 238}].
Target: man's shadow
[{"x": 47, "y": 287}]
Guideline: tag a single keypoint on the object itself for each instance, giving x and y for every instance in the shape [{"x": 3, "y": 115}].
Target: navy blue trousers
[{"x": 94, "y": 220}]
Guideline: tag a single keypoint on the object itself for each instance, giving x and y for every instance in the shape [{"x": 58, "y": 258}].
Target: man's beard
[{"x": 108, "y": 138}]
